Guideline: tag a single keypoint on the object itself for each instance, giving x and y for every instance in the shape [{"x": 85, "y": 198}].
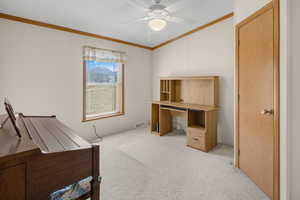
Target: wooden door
[{"x": 256, "y": 65}]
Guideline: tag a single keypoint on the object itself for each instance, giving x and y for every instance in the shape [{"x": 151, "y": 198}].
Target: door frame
[{"x": 275, "y": 6}]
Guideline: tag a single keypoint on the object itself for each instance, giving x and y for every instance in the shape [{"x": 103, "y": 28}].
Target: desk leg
[{"x": 165, "y": 122}]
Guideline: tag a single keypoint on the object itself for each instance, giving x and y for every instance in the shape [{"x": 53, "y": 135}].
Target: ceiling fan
[{"x": 157, "y": 14}]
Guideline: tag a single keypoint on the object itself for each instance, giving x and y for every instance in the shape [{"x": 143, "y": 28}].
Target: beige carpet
[{"x": 136, "y": 165}]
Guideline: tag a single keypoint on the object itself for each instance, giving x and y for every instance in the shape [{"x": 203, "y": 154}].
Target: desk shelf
[
  {"x": 173, "y": 108},
  {"x": 196, "y": 118}
]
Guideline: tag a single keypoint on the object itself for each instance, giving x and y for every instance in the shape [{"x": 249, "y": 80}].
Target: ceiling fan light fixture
[{"x": 157, "y": 24}]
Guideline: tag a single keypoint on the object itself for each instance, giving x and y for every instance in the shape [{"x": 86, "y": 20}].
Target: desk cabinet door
[{"x": 12, "y": 183}]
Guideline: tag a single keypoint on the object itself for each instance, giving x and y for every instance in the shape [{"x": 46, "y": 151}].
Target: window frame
[{"x": 121, "y": 102}]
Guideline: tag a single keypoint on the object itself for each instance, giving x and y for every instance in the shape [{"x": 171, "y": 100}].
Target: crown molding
[
  {"x": 66, "y": 29},
  {"x": 70, "y": 30}
]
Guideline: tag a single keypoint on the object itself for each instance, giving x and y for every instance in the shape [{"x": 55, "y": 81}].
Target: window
[{"x": 103, "y": 83}]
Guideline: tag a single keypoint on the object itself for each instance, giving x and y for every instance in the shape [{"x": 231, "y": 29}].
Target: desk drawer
[
  {"x": 196, "y": 132},
  {"x": 197, "y": 143},
  {"x": 196, "y": 138}
]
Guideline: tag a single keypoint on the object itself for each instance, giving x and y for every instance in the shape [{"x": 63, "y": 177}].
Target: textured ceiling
[{"x": 116, "y": 18}]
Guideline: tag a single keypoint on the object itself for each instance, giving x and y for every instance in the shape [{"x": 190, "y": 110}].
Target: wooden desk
[
  {"x": 201, "y": 122},
  {"x": 202, "y": 93}
]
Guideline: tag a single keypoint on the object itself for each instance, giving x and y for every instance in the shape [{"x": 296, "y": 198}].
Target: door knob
[{"x": 267, "y": 112}]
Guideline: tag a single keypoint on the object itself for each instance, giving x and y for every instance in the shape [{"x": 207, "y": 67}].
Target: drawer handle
[{"x": 196, "y": 139}]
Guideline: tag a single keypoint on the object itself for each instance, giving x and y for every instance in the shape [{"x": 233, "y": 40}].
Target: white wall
[
  {"x": 41, "y": 72},
  {"x": 244, "y": 8},
  {"x": 284, "y": 152},
  {"x": 294, "y": 99},
  {"x": 207, "y": 52}
]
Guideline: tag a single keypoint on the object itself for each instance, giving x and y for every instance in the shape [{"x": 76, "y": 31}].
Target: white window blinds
[{"x": 103, "y": 55}]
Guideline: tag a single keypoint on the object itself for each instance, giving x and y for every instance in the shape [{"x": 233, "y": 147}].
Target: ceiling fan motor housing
[
  {"x": 158, "y": 11},
  {"x": 157, "y": 7}
]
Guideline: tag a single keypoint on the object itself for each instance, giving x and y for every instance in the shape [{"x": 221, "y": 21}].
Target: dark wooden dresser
[{"x": 48, "y": 156}]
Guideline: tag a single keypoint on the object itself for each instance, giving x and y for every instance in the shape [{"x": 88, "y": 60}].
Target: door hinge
[
  {"x": 239, "y": 97},
  {"x": 239, "y": 152}
]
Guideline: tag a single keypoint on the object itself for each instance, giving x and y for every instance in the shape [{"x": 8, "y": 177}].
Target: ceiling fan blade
[
  {"x": 180, "y": 20},
  {"x": 143, "y": 19},
  {"x": 137, "y": 20},
  {"x": 138, "y": 4},
  {"x": 176, "y": 20},
  {"x": 178, "y": 5}
]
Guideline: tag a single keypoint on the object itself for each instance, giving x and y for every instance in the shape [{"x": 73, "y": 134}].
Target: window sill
[{"x": 103, "y": 117}]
